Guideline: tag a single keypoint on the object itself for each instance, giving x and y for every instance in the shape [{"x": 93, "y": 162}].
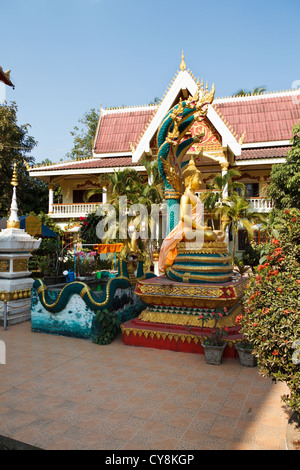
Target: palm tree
[
  {"x": 132, "y": 184},
  {"x": 214, "y": 197},
  {"x": 121, "y": 182},
  {"x": 256, "y": 91},
  {"x": 237, "y": 209}
]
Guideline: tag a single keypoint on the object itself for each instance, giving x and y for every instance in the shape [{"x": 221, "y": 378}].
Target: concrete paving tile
[{"x": 120, "y": 397}]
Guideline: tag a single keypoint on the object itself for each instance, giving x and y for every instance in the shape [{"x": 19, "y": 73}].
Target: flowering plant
[
  {"x": 214, "y": 335},
  {"x": 86, "y": 262},
  {"x": 272, "y": 305}
]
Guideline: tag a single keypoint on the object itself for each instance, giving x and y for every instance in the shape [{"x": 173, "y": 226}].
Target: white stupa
[{"x": 16, "y": 246}]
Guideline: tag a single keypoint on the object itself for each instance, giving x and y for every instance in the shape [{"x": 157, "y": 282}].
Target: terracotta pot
[
  {"x": 246, "y": 357},
  {"x": 213, "y": 354}
]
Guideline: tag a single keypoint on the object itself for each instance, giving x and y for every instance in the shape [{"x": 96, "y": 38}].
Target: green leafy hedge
[{"x": 272, "y": 308}]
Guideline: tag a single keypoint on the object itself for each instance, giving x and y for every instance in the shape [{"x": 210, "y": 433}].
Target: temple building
[{"x": 249, "y": 133}]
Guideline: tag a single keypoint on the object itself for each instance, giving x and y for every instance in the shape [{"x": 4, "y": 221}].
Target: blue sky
[{"x": 68, "y": 56}]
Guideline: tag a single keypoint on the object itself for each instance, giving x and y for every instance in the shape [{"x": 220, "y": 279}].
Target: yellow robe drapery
[{"x": 168, "y": 250}]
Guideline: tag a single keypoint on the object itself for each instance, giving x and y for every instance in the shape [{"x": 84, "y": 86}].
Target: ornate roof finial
[
  {"x": 241, "y": 141},
  {"x": 13, "y": 221},
  {"x": 183, "y": 64},
  {"x": 14, "y": 180}
]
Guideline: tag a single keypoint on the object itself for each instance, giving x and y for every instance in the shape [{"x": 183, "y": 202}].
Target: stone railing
[
  {"x": 260, "y": 204},
  {"x": 73, "y": 210}
]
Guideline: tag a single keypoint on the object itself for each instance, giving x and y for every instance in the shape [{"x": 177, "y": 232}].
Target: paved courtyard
[{"x": 67, "y": 393}]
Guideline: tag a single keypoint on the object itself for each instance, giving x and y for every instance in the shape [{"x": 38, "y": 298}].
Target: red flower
[
  {"x": 275, "y": 241},
  {"x": 279, "y": 289},
  {"x": 298, "y": 281},
  {"x": 238, "y": 319},
  {"x": 275, "y": 352},
  {"x": 293, "y": 219},
  {"x": 81, "y": 218},
  {"x": 287, "y": 211}
]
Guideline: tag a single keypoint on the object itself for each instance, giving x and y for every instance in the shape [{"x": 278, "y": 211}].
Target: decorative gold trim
[
  {"x": 202, "y": 268},
  {"x": 4, "y": 265},
  {"x": 199, "y": 277},
  {"x": 20, "y": 265},
  {"x": 15, "y": 295},
  {"x": 84, "y": 291},
  {"x": 195, "y": 246},
  {"x": 171, "y": 336},
  {"x": 222, "y": 260},
  {"x": 184, "y": 319},
  {"x": 182, "y": 291},
  {"x": 13, "y": 224}
]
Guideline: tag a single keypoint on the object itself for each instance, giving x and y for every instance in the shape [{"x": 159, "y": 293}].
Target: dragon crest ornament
[{"x": 172, "y": 140}]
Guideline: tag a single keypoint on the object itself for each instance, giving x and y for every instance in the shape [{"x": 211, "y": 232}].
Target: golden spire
[
  {"x": 14, "y": 180},
  {"x": 13, "y": 221},
  {"x": 182, "y": 65}
]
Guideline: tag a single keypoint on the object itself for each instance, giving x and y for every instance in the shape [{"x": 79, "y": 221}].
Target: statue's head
[{"x": 191, "y": 175}]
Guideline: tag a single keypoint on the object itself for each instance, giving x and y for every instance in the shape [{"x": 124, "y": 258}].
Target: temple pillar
[
  {"x": 104, "y": 195},
  {"x": 51, "y": 198},
  {"x": 224, "y": 167}
]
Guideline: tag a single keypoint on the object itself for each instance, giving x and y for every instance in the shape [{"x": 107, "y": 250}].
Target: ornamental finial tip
[
  {"x": 14, "y": 180},
  {"x": 182, "y": 64}
]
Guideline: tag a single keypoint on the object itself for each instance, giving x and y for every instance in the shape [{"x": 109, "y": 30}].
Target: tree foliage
[
  {"x": 284, "y": 188},
  {"x": 256, "y": 91},
  {"x": 84, "y": 137},
  {"x": 15, "y": 146}
]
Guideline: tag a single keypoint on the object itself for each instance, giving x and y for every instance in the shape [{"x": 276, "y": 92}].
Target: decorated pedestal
[
  {"x": 171, "y": 318},
  {"x": 15, "y": 250}
]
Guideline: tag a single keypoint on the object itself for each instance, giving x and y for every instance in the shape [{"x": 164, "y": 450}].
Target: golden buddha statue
[{"x": 190, "y": 228}]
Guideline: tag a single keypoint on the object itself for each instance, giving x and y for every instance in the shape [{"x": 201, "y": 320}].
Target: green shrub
[
  {"x": 251, "y": 255},
  {"x": 108, "y": 326},
  {"x": 272, "y": 308}
]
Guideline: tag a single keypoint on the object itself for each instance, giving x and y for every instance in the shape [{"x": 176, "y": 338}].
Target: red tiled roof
[
  {"x": 106, "y": 162},
  {"x": 263, "y": 152},
  {"x": 264, "y": 118},
  {"x": 117, "y": 130}
]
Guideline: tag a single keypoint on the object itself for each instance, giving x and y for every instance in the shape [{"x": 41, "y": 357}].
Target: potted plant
[
  {"x": 212, "y": 338},
  {"x": 245, "y": 349}
]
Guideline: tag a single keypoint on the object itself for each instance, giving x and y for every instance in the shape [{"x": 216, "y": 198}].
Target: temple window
[{"x": 78, "y": 196}]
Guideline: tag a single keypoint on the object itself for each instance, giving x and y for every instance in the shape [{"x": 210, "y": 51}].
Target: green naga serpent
[
  {"x": 122, "y": 281},
  {"x": 173, "y": 146}
]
